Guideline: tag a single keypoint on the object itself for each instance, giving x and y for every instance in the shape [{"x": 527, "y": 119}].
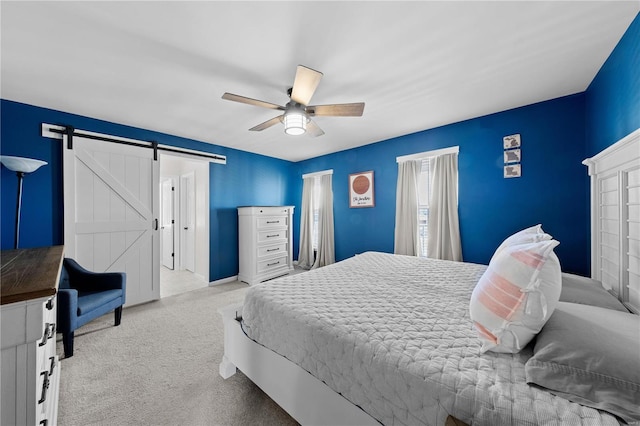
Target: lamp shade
[{"x": 21, "y": 164}]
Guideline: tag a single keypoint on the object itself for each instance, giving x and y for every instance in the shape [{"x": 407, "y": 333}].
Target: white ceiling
[{"x": 417, "y": 65}]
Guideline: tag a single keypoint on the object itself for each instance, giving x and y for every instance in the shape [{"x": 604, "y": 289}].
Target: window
[
  {"x": 424, "y": 189},
  {"x": 424, "y": 194},
  {"x": 313, "y": 187}
]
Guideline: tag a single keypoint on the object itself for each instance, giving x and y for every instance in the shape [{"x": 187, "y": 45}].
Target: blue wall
[
  {"x": 613, "y": 97},
  {"x": 246, "y": 179},
  {"x": 553, "y": 189}
]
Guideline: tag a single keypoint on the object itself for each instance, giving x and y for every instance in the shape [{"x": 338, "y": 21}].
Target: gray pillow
[
  {"x": 591, "y": 356},
  {"x": 587, "y": 291}
]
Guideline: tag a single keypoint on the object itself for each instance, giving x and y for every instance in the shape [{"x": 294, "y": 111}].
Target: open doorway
[{"x": 184, "y": 233}]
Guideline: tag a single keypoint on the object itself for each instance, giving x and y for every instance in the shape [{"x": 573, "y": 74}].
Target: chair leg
[
  {"x": 118, "y": 315},
  {"x": 67, "y": 343}
]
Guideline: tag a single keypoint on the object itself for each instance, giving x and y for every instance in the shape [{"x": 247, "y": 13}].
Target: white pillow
[
  {"x": 516, "y": 295},
  {"x": 532, "y": 234}
]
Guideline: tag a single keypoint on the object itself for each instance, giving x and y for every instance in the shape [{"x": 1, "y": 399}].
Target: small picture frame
[
  {"x": 361, "y": 190},
  {"x": 511, "y": 141},
  {"x": 512, "y": 170},
  {"x": 512, "y": 156}
]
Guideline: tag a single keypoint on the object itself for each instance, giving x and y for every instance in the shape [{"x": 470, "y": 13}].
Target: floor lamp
[{"x": 21, "y": 166}]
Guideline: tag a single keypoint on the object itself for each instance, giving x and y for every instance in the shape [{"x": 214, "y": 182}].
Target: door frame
[
  {"x": 184, "y": 220},
  {"x": 202, "y": 237},
  {"x": 174, "y": 222}
]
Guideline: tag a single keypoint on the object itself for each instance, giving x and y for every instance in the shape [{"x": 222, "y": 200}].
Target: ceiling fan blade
[
  {"x": 245, "y": 100},
  {"x": 313, "y": 129},
  {"x": 305, "y": 84},
  {"x": 267, "y": 124},
  {"x": 337, "y": 110}
]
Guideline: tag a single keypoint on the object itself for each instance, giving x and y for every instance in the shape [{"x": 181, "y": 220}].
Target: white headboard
[{"x": 615, "y": 218}]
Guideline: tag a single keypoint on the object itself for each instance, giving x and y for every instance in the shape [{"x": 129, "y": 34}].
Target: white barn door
[{"x": 111, "y": 203}]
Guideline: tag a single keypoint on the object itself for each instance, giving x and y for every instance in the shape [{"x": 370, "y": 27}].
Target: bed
[
  {"x": 389, "y": 339},
  {"x": 394, "y": 345}
]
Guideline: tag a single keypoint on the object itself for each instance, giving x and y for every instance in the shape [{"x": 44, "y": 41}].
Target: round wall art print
[{"x": 361, "y": 189}]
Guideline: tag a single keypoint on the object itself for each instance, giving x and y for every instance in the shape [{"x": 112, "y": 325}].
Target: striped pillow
[{"x": 516, "y": 295}]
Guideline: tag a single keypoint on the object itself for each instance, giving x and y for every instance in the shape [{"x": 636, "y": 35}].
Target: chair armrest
[
  {"x": 67, "y": 309},
  {"x": 83, "y": 279}
]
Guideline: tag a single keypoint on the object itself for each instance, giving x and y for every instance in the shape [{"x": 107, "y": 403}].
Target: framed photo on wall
[
  {"x": 511, "y": 141},
  {"x": 512, "y": 156},
  {"x": 361, "y": 190},
  {"x": 512, "y": 170}
]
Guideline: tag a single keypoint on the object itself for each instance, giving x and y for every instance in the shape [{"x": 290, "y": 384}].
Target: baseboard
[{"x": 223, "y": 281}]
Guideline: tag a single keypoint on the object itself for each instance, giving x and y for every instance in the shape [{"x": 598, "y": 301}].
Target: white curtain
[
  {"x": 407, "y": 240},
  {"x": 305, "y": 255},
  {"x": 444, "y": 228},
  {"x": 326, "y": 246}
]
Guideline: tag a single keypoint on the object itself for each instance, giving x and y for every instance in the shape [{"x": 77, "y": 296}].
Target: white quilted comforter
[{"x": 392, "y": 334}]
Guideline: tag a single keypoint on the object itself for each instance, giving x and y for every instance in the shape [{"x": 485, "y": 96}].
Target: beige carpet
[{"x": 160, "y": 367}]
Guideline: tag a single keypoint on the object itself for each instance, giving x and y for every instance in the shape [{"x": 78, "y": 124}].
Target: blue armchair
[{"x": 84, "y": 296}]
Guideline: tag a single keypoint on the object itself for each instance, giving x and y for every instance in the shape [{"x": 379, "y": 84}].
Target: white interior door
[
  {"x": 111, "y": 208},
  {"x": 167, "y": 220},
  {"x": 188, "y": 221}
]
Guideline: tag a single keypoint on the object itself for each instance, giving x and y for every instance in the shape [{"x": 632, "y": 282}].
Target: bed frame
[{"x": 307, "y": 399}]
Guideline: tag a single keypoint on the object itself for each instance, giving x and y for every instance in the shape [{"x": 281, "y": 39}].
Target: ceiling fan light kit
[
  {"x": 295, "y": 123},
  {"x": 296, "y": 117}
]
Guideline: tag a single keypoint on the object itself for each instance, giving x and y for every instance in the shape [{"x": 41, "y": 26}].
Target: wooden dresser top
[{"x": 29, "y": 273}]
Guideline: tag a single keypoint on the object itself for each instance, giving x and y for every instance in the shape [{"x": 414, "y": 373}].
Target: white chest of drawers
[
  {"x": 265, "y": 242},
  {"x": 30, "y": 367}
]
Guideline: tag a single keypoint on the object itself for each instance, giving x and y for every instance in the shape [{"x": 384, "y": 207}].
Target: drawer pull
[
  {"x": 45, "y": 386},
  {"x": 49, "y": 332},
  {"x": 45, "y": 335},
  {"x": 53, "y": 365},
  {"x": 274, "y": 263},
  {"x": 273, "y": 221},
  {"x": 273, "y": 249},
  {"x": 274, "y": 235}
]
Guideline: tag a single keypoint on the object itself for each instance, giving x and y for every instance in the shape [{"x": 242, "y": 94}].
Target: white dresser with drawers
[
  {"x": 30, "y": 367},
  {"x": 265, "y": 242}
]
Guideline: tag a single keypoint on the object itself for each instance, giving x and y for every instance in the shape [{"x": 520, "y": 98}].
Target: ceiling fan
[{"x": 297, "y": 112}]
